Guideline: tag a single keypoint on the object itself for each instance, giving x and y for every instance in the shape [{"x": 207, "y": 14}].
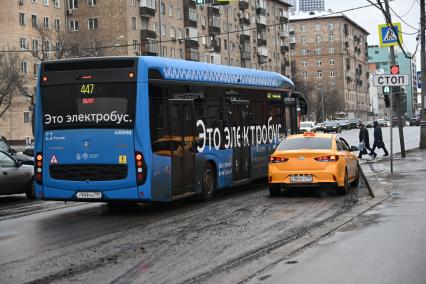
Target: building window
[
  {"x": 73, "y": 4},
  {"x": 22, "y": 19},
  {"x": 34, "y": 21},
  {"x": 304, "y": 52},
  {"x": 303, "y": 28},
  {"x": 46, "y": 46},
  {"x": 332, "y": 74},
  {"x": 58, "y": 47},
  {"x": 170, "y": 10},
  {"x": 332, "y": 85},
  {"x": 46, "y": 2},
  {"x": 134, "y": 23},
  {"x": 192, "y": 14},
  {"x": 24, "y": 67},
  {"x": 172, "y": 32},
  {"x": 304, "y": 74},
  {"x": 331, "y": 50},
  {"x": 318, "y": 39},
  {"x": 317, "y": 27},
  {"x": 27, "y": 117},
  {"x": 58, "y": 24},
  {"x": 319, "y": 62},
  {"x": 163, "y": 30},
  {"x": 91, "y": 3},
  {"x": 319, "y": 74},
  {"x": 331, "y": 61},
  {"x": 36, "y": 67},
  {"x": 172, "y": 52},
  {"x": 320, "y": 85},
  {"x": 93, "y": 23},
  {"x": 330, "y": 26},
  {"x": 178, "y": 14},
  {"x": 133, "y": 2},
  {"x": 57, "y": 4},
  {"x": 35, "y": 45},
  {"x": 162, "y": 8},
  {"x": 303, "y": 39},
  {"x": 46, "y": 23},
  {"x": 74, "y": 25},
  {"x": 23, "y": 43},
  {"x": 135, "y": 46},
  {"x": 331, "y": 38},
  {"x": 304, "y": 63},
  {"x": 317, "y": 51}
]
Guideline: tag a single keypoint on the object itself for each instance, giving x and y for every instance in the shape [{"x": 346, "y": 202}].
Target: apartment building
[
  {"x": 245, "y": 33},
  {"x": 331, "y": 51},
  {"x": 29, "y": 27},
  {"x": 311, "y": 5}
]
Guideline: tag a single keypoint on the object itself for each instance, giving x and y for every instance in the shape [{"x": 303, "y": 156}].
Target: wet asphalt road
[{"x": 183, "y": 241}]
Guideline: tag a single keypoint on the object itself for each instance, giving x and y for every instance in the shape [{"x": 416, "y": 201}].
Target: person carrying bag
[{"x": 364, "y": 142}]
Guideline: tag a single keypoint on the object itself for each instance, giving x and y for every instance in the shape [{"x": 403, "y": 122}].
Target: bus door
[
  {"x": 241, "y": 153},
  {"x": 182, "y": 136}
]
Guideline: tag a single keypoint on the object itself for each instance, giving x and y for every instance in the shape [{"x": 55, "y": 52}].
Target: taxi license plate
[
  {"x": 301, "y": 178},
  {"x": 89, "y": 195}
]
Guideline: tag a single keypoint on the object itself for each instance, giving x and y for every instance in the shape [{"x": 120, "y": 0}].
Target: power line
[{"x": 198, "y": 37}]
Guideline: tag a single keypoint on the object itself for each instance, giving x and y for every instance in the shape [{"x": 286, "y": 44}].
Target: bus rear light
[
  {"x": 86, "y": 77},
  {"x": 44, "y": 79},
  {"x": 131, "y": 75},
  {"x": 141, "y": 169},
  {"x": 38, "y": 168}
]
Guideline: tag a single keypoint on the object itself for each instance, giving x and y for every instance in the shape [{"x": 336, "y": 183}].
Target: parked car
[
  {"x": 29, "y": 150},
  {"x": 319, "y": 126},
  {"x": 307, "y": 126},
  {"x": 15, "y": 177},
  {"x": 354, "y": 123},
  {"x": 395, "y": 121},
  {"x": 313, "y": 160},
  {"x": 344, "y": 124},
  {"x": 415, "y": 121},
  {"x": 369, "y": 124},
  {"x": 383, "y": 122},
  {"x": 332, "y": 126},
  {"x": 4, "y": 146}
]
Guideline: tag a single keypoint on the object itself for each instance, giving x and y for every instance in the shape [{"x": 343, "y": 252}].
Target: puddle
[{"x": 396, "y": 195}]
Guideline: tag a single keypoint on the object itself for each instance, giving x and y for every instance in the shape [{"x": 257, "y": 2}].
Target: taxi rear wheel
[
  {"x": 273, "y": 192},
  {"x": 342, "y": 190},
  {"x": 356, "y": 180}
]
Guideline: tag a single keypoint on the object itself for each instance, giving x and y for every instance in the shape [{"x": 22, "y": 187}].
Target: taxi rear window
[{"x": 305, "y": 143}]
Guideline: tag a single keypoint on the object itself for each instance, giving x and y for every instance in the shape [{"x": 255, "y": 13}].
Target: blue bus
[{"x": 155, "y": 129}]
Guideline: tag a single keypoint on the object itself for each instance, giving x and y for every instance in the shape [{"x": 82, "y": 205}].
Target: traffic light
[
  {"x": 394, "y": 69},
  {"x": 386, "y": 94}
]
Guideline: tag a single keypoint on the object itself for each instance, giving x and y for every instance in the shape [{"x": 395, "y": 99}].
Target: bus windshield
[{"x": 91, "y": 105}]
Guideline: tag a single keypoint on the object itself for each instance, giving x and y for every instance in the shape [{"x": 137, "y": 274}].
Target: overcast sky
[{"x": 369, "y": 18}]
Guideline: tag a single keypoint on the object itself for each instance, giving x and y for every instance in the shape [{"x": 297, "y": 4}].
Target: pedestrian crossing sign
[{"x": 388, "y": 36}]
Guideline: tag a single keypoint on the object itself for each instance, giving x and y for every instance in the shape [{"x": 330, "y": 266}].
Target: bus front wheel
[{"x": 208, "y": 183}]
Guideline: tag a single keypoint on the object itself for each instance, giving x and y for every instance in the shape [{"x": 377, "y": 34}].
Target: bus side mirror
[{"x": 303, "y": 106}]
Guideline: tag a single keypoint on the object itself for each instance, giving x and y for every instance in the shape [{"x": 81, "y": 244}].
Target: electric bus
[{"x": 155, "y": 129}]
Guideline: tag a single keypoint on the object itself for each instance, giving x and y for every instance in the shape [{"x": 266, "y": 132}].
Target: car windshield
[
  {"x": 305, "y": 124},
  {"x": 4, "y": 146},
  {"x": 305, "y": 143}
]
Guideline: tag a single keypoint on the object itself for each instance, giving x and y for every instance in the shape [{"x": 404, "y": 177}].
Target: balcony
[
  {"x": 150, "y": 48},
  {"x": 191, "y": 43},
  {"x": 189, "y": 3},
  {"x": 214, "y": 30},
  {"x": 148, "y": 34},
  {"x": 215, "y": 47},
  {"x": 192, "y": 54},
  {"x": 147, "y": 12},
  {"x": 284, "y": 34},
  {"x": 261, "y": 22},
  {"x": 244, "y": 38},
  {"x": 292, "y": 45},
  {"x": 244, "y": 21},
  {"x": 284, "y": 48},
  {"x": 262, "y": 59},
  {"x": 261, "y": 11},
  {"x": 243, "y": 4},
  {"x": 283, "y": 20},
  {"x": 261, "y": 42}
]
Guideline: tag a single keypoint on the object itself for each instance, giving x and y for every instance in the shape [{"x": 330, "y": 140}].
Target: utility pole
[
  {"x": 423, "y": 66},
  {"x": 401, "y": 132}
]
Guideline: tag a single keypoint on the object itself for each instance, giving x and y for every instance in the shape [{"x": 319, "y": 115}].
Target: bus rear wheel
[{"x": 208, "y": 183}]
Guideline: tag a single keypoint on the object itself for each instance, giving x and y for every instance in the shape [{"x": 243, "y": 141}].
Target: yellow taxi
[{"x": 313, "y": 160}]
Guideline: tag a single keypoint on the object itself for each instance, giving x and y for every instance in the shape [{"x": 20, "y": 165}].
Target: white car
[{"x": 307, "y": 126}]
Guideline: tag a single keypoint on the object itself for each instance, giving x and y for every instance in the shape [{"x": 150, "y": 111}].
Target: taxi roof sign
[{"x": 388, "y": 35}]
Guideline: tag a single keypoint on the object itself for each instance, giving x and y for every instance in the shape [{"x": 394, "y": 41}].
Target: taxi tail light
[
  {"x": 309, "y": 134},
  {"x": 141, "y": 169},
  {"x": 330, "y": 158},
  {"x": 38, "y": 168},
  {"x": 277, "y": 160}
]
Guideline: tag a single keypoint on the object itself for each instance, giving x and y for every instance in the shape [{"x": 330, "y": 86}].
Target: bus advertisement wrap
[{"x": 238, "y": 136}]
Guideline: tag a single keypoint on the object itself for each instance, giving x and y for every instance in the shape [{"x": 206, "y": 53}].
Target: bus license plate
[
  {"x": 89, "y": 195},
  {"x": 301, "y": 178}
]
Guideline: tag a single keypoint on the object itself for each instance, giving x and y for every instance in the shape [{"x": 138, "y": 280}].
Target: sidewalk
[{"x": 386, "y": 244}]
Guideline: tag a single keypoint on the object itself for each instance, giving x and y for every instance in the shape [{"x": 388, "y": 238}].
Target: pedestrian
[
  {"x": 364, "y": 138},
  {"x": 378, "y": 140}
]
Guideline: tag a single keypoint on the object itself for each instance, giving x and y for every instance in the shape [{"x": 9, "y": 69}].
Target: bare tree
[
  {"x": 12, "y": 80},
  {"x": 309, "y": 91}
]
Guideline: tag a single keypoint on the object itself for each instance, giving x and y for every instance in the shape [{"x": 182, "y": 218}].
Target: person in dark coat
[
  {"x": 364, "y": 137},
  {"x": 378, "y": 140}
]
